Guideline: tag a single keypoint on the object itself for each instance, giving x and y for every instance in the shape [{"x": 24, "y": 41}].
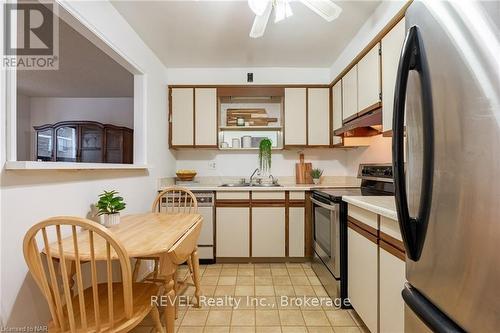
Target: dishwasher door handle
[{"x": 333, "y": 207}]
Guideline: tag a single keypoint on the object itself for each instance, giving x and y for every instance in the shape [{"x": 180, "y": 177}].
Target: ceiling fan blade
[
  {"x": 260, "y": 22},
  {"x": 324, "y": 8}
]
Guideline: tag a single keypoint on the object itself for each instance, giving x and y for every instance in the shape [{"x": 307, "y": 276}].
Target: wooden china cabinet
[{"x": 84, "y": 141}]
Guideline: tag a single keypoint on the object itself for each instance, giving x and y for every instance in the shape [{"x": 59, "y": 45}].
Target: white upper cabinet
[
  {"x": 337, "y": 110},
  {"x": 350, "y": 93},
  {"x": 205, "y": 116},
  {"x": 295, "y": 116},
  {"x": 369, "y": 79},
  {"x": 391, "y": 49},
  {"x": 318, "y": 116},
  {"x": 182, "y": 116}
]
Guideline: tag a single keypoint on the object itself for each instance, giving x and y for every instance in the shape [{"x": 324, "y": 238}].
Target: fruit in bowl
[{"x": 186, "y": 175}]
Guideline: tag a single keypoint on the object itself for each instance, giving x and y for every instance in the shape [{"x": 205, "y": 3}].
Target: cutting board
[{"x": 303, "y": 171}]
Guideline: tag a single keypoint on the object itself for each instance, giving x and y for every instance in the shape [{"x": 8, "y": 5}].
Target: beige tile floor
[{"x": 259, "y": 289}]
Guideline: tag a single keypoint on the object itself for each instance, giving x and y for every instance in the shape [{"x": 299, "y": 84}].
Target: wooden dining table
[{"x": 142, "y": 235}]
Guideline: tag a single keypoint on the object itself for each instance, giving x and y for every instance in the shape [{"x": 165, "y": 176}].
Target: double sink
[{"x": 250, "y": 185}]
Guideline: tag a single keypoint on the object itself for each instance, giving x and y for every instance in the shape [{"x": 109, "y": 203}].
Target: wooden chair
[
  {"x": 173, "y": 200},
  {"x": 110, "y": 306}
]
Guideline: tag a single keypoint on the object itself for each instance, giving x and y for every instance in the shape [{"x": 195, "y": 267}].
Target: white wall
[
  {"x": 270, "y": 75},
  {"x": 30, "y": 196},
  {"x": 332, "y": 161},
  {"x": 116, "y": 111},
  {"x": 379, "y": 151}
]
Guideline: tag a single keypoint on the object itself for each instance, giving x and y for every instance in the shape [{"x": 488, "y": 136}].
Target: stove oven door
[{"x": 326, "y": 225}]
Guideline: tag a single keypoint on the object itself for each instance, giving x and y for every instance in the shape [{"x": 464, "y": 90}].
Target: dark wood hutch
[{"x": 84, "y": 141}]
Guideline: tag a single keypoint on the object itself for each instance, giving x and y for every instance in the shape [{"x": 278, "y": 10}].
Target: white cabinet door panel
[
  {"x": 205, "y": 116},
  {"x": 268, "y": 232},
  {"x": 362, "y": 275},
  {"x": 350, "y": 93},
  {"x": 337, "y": 110},
  {"x": 369, "y": 79},
  {"x": 233, "y": 231},
  {"x": 296, "y": 232},
  {"x": 318, "y": 116},
  {"x": 182, "y": 116},
  {"x": 392, "y": 280},
  {"x": 391, "y": 50},
  {"x": 295, "y": 116}
]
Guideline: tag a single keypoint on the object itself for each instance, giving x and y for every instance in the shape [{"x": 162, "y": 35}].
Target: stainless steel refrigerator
[{"x": 448, "y": 189}]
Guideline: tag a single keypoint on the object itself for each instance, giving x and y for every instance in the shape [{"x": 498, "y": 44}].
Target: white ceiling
[
  {"x": 215, "y": 33},
  {"x": 84, "y": 71}
]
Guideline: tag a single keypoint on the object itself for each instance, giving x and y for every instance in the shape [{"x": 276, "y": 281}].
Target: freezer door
[{"x": 449, "y": 201}]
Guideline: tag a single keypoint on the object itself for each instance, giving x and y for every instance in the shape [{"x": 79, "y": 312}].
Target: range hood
[{"x": 367, "y": 124}]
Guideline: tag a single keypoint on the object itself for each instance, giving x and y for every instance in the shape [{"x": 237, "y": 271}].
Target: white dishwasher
[
  {"x": 206, "y": 210},
  {"x": 206, "y": 240}
]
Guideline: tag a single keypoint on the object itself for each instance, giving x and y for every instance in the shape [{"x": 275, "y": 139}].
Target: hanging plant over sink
[{"x": 265, "y": 147}]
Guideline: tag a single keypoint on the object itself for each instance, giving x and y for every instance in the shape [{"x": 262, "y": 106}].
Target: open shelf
[
  {"x": 248, "y": 149},
  {"x": 250, "y": 128}
]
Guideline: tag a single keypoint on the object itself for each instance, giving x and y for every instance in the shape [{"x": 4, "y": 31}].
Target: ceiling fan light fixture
[
  {"x": 282, "y": 10},
  {"x": 324, "y": 8},
  {"x": 258, "y": 6}
]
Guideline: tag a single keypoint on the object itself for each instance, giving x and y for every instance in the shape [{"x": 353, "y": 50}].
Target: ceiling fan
[{"x": 282, "y": 9}]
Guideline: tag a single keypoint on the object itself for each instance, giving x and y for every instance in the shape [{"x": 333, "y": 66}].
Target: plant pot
[
  {"x": 111, "y": 219},
  {"x": 316, "y": 180}
]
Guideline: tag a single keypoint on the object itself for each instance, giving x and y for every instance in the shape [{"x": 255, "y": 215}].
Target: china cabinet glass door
[
  {"x": 66, "y": 144},
  {"x": 114, "y": 146},
  {"x": 44, "y": 146},
  {"x": 91, "y": 145}
]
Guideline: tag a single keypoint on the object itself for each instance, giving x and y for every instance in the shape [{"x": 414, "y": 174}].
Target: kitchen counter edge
[{"x": 381, "y": 205}]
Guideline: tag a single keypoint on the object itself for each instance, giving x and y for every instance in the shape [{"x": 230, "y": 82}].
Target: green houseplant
[
  {"x": 110, "y": 205},
  {"x": 265, "y": 147},
  {"x": 316, "y": 175}
]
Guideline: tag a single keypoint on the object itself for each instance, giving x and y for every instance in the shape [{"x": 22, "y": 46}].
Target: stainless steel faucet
[{"x": 253, "y": 174}]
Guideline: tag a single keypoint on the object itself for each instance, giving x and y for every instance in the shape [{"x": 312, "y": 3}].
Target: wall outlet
[{"x": 212, "y": 165}]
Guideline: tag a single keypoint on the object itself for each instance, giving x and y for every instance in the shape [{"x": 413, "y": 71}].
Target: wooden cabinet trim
[
  {"x": 362, "y": 232},
  {"x": 296, "y": 203},
  {"x": 392, "y": 250},
  {"x": 392, "y": 241},
  {"x": 232, "y": 203},
  {"x": 268, "y": 203},
  {"x": 374, "y": 232}
]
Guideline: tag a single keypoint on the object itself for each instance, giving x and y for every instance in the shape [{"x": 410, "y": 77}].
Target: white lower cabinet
[
  {"x": 362, "y": 278},
  {"x": 268, "y": 231},
  {"x": 392, "y": 279},
  {"x": 233, "y": 232},
  {"x": 296, "y": 227}
]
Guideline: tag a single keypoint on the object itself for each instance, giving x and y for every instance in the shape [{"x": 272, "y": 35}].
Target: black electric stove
[{"x": 330, "y": 226}]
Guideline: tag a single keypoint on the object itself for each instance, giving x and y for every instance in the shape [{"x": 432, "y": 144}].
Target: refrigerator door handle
[
  {"x": 433, "y": 318},
  {"x": 413, "y": 229}
]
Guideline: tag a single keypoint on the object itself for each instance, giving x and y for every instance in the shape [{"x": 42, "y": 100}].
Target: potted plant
[
  {"x": 265, "y": 147},
  {"x": 110, "y": 205},
  {"x": 316, "y": 175}
]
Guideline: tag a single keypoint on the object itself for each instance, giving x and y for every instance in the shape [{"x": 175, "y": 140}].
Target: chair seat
[{"x": 142, "y": 305}]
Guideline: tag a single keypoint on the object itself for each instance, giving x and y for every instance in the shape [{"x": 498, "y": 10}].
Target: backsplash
[{"x": 334, "y": 162}]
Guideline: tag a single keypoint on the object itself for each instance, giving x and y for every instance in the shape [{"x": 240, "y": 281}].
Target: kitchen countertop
[
  {"x": 381, "y": 205},
  {"x": 286, "y": 187}
]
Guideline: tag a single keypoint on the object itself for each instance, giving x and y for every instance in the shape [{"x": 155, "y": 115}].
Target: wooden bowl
[{"x": 186, "y": 176}]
